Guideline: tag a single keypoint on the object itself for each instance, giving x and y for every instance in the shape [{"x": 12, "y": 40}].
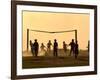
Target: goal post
[
  {"x": 28, "y": 30},
  {"x": 27, "y": 39}
]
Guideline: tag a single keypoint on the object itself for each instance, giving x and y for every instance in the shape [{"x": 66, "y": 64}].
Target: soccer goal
[{"x": 45, "y": 36}]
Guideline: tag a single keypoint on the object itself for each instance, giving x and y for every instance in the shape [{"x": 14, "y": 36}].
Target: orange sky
[{"x": 49, "y": 21}]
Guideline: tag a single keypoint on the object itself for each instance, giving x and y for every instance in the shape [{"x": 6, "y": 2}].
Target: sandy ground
[{"x": 48, "y": 60}]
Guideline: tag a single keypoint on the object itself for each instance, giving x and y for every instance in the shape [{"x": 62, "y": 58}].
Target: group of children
[{"x": 73, "y": 47}]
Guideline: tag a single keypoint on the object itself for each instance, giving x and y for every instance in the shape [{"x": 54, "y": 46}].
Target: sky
[{"x": 51, "y": 21}]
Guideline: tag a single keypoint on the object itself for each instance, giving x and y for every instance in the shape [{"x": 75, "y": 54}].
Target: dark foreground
[{"x": 50, "y": 61}]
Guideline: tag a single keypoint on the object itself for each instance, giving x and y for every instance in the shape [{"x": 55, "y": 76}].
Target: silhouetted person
[
  {"x": 88, "y": 46},
  {"x": 42, "y": 46},
  {"x": 49, "y": 46},
  {"x": 36, "y": 47},
  {"x": 32, "y": 47},
  {"x": 43, "y": 50},
  {"x": 64, "y": 47},
  {"x": 72, "y": 44},
  {"x": 55, "y": 48},
  {"x": 76, "y": 50}
]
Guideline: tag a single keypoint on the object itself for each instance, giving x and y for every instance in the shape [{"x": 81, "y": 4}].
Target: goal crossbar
[{"x": 50, "y": 33}]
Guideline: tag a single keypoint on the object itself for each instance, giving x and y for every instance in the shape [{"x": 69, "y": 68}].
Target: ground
[{"x": 63, "y": 60}]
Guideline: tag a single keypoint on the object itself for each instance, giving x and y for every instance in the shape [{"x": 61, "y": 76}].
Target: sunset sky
[{"x": 50, "y": 21}]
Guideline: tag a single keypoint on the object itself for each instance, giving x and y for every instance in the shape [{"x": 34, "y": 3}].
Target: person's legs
[
  {"x": 53, "y": 53},
  {"x": 36, "y": 52},
  {"x": 32, "y": 51},
  {"x": 56, "y": 53},
  {"x": 65, "y": 52},
  {"x": 73, "y": 52},
  {"x": 76, "y": 54},
  {"x": 70, "y": 52},
  {"x": 49, "y": 50}
]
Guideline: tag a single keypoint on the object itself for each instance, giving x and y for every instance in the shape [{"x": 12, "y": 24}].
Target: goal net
[{"x": 45, "y": 36}]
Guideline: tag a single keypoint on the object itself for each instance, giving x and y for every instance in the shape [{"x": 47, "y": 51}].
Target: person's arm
[
  {"x": 67, "y": 45},
  {"x": 44, "y": 46}
]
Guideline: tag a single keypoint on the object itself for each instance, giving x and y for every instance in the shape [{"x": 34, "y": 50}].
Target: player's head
[
  {"x": 72, "y": 40},
  {"x": 64, "y": 42},
  {"x": 30, "y": 41},
  {"x": 49, "y": 40},
  {"x": 35, "y": 40},
  {"x": 55, "y": 40},
  {"x": 42, "y": 44}
]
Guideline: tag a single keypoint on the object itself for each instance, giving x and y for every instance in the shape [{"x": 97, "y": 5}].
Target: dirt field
[{"x": 63, "y": 60}]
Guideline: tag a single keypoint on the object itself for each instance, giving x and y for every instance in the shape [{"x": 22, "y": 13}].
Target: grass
[{"x": 63, "y": 60}]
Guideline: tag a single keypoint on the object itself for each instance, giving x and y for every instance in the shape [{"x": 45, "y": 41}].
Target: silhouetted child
[
  {"x": 76, "y": 50},
  {"x": 32, "y": 47},
  {"x": 88, "y": 46},
  {"x": 49, "y": 46},
  {"x": 43, "y": 50},
  {"x": 64, "y": 47},
  {"x": 72, "y": 44},
  {"x": 36, "y": 47},
  {"x": 55, "y": 48}
]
